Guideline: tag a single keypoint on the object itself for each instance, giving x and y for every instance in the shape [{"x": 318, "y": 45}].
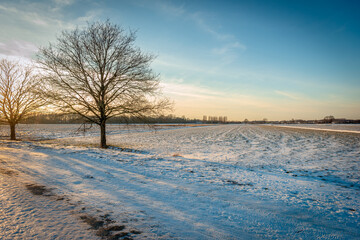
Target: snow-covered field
[
  {"x": 209, "y": 182},
  {"x": 349, "y": 128},
  {"x": 23, "y": 216},
  {"x": 55, "y": 131}
]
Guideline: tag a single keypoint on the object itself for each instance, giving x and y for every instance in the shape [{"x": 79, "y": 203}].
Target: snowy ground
[
  {"x": 25, "y": 216},
  {"x": 214, "y": 182},
  {"x": 349, "y": 128},
  {"x": 55, "y": 131}
]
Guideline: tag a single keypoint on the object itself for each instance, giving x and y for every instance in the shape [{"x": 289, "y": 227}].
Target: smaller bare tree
[{"x": 17, "y": 100}]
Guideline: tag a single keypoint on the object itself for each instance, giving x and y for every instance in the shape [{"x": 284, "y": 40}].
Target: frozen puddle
[{"x": 24, "y": 215}]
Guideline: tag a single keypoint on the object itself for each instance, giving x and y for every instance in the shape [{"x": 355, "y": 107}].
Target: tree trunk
[
  {"x": 103, "y": 134},
  {"x": 12, "y": 132}
]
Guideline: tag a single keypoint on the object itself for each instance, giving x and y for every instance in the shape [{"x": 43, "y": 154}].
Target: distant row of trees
[
  {"x": 325, "y": 120},
  {"x": 214, "y": 119},
  {"x": 96, "y": 73},
  {"x": 56, "y": 118}
]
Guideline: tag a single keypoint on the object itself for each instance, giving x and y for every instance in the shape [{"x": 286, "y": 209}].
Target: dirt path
[{"x": 24, "y": 215}]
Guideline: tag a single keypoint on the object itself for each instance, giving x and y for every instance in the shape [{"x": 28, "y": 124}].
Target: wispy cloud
[
  {"x": 88, "y": 17},
  {"x": 33, "y": 23},
  {"x": 229, "y": 44},
  {"x": 18, "y": 48},
  {"x": 171, "y": 9},
  {"x": 201, "y": 22},
  {"x": 202, "y": 94},
  {"x": 63, "y": 2},
  {"x": 60, "y": 4},
  {"x": 288, "y": 95},
  {"x": 49, "y": 13},
  {"x": 229, "y": 48},
  {"x": 181, "y": 89},
  {"x": 198, "y": 100},
  {"x": 171, "y": 62},
  {"x": 8, "y": 9},
  {"x": 35, "y": 18}
]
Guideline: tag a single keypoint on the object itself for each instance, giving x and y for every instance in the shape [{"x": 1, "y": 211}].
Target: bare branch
[
  {"x": 17, "y": 98},
  {"x": 97, "y": 72}
]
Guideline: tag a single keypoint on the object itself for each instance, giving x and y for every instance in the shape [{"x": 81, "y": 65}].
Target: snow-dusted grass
[{"x": 213, "y": 182}]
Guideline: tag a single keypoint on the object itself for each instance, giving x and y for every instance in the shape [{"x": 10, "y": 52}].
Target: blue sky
[{"x": 240, "y": 59}]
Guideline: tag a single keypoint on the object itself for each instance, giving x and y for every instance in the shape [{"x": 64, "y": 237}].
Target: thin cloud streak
[
  {"x": 8, "y": 9},
  {"x": 171, "y": 9},
  {"x": 182, "y": 89},
  {"x": 33, "y": 20},
  {"x": 288, "y": 95},
  {"x": 210, "y": 96},
  {"x": 204, "y": 26},
  {"x": 197, "y": 100},
  {"x": 231, "y": 43},
  {"x": 18, "y": 48},
  {"x": 229, "y": 48},
  {"x": 49, "y": 16}
]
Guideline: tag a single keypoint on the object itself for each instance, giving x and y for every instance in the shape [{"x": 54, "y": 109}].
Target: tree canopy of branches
[
  {"x": 98, "y": 73},
  {"x": 17, "y": 99}
]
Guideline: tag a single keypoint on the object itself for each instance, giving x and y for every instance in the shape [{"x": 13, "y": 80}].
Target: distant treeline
[
  {"x": 55, "y": 118},
  {"x": 326, "y": 120},
  {"x": 336, "y": 121}
]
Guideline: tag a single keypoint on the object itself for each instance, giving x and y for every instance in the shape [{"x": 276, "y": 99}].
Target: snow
[
  {"x": 346, "y": 128},
  {"x": 55, "y": 131},
  {"x": 22, "y": 216},
  {"x": 209, "y": 182}
]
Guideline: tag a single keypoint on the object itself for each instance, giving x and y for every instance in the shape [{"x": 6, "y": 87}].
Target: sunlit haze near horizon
[{"x": 241, "y": 59}]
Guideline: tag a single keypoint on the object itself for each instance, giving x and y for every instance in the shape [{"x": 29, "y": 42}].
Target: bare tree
[
  {"x": 98, "y": 73},
  {"x": 329, "y": 119},
  {"x": 17, "y": 99}
]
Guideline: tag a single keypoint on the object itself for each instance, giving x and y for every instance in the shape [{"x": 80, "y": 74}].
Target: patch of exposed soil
[
  {"x": 238, "y": 183},
  {"x": 8, "y": 172},
  {"x": 103, "y": 225},
  {"x": 38, "y": 189},
  {"x": 113, "y": 232}
]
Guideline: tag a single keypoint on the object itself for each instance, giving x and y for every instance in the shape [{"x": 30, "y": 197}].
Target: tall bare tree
[
  {"x": 98, "y": 73},
  {"x": 17, "y": 99}
]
